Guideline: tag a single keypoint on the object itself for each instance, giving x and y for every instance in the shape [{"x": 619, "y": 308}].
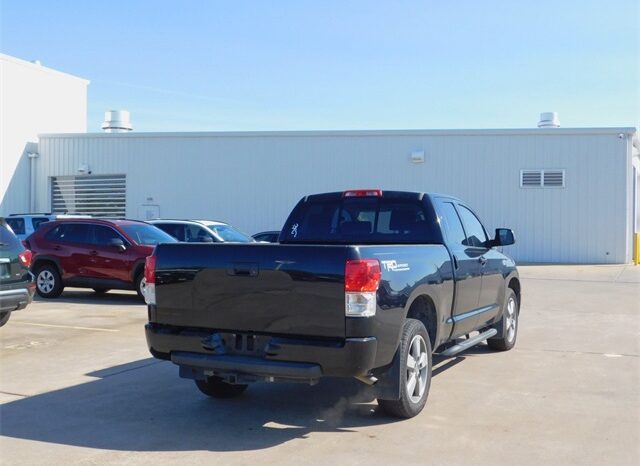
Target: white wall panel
[
  {"x": 33, "y": 99},
  {"x": 252, "y": 180}
]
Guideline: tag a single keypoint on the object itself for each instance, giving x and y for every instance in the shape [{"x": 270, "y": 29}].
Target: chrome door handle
[{"x": 482, "y": 260}]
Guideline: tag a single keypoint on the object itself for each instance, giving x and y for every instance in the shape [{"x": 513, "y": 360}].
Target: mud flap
[{"x": 388, "y": 385}]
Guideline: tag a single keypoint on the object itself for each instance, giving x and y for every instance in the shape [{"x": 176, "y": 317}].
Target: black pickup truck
[{"x": 364, "y": 283}]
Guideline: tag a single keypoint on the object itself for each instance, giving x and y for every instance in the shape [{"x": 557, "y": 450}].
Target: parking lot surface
[{"x": 77, "y": 385}]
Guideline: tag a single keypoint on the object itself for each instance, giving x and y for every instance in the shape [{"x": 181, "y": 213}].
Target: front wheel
[
  {"x": 415, "y": 372},
  {"x": 507, "y": 326},
  {"x": 218, "y": 388}
]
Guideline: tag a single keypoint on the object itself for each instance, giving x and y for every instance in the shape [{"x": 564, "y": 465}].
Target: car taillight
[
  {"x": 361, "y": 281},
  {"x": 150, "y": 279},
  {"x": 25, "y": 258},
  {"x": 362, "y": 193}
]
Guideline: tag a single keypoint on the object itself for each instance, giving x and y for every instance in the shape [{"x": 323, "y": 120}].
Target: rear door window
[
  {"x": 70, "y": 233},
  {"x": 16, "y": 224},
  {"x": 37, "y": 221},
  {"x": 196, "y": 234},
  {"x": 176, "y": 230}
]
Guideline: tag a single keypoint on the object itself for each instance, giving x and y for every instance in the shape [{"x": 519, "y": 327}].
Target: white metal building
[
  {"x": 33, "y": 99},
  {"x": 569, "y": 194}
]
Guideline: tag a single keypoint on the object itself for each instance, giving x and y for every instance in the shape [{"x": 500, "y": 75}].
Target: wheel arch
[
  {"x": 514, "y": 284},
  {"x": 423, "y": 308},
  {"x": 43, "y": 260},
  {"x": 137, "y": 269}
]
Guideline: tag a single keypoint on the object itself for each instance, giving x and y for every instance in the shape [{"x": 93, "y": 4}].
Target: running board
[{"x": 465, "y": 345}]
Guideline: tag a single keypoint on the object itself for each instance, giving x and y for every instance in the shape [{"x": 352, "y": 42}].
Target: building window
[
  {"x": 95, "y": 195},
  {"x": 542, "y": 178}
]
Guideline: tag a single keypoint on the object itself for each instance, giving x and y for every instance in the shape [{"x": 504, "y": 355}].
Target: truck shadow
[
  {"x": 144, "y": 406},
  {"x": 86, "y": 296}
]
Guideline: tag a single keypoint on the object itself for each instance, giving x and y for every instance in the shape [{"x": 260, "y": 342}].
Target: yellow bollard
[{"x": 636, "y": 256}]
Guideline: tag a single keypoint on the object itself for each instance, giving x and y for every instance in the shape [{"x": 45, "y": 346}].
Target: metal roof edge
[
  {"x": 42, "y": 68},
  {"x": 349, "y": 133}
]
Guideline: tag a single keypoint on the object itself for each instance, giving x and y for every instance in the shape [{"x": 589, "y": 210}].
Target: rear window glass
[
  {"x": 361, "y": 220},
  {"x": 17, "y": 225},
  {"x": 8, "y": 240}
]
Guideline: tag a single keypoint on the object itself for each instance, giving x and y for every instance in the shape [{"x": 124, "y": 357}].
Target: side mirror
[
  {"x": 118, "y": 243},
  {"x": 504, "y": 237}
]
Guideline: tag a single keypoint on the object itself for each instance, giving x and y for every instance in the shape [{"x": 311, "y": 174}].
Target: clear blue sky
[{"x": 240, "y": 65}]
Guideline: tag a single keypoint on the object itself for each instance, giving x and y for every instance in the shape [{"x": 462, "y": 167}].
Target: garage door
[{"x": 96, "y": 195}]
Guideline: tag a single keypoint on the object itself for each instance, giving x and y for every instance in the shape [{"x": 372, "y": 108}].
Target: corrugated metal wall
[{"x": 252, "y": 180}]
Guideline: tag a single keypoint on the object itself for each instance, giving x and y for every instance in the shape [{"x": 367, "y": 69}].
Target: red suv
[{"x": 92, "y": 253}]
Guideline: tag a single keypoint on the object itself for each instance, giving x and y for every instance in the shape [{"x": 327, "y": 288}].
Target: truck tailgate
[{"x": 270, "y": 288}]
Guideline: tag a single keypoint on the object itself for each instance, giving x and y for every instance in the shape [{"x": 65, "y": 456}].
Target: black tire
[
  {"x": 139, "y": 284},
  {"x": 410, "y": 404},
  {"x": 48, "y": 282},
  {"x": 507, "y": 326},
  {"x": 218, "y": 388},
  {"x": 101, "y": 290},
  {"x": 4, "y": 317}
]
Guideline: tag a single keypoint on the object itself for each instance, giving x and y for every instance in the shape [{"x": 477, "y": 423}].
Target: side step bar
[{"x": 465, "y": 345}]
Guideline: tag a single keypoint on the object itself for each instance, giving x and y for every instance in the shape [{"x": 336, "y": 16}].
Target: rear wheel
[
  {"x": 218, "y": 388},
  {"x": 415, "y": 372},
  {"x": 140, "y": 284},
  {"x": 508, "y": 325},
  {"x": 48, "y": 282},
  {"x": 4, "y": 317}
]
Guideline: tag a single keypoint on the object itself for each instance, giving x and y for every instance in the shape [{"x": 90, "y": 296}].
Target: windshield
[
  {"x": 361, "y": 220},
  {"x": 145, "y": 234},
  {"x": 230, "y": 234}
]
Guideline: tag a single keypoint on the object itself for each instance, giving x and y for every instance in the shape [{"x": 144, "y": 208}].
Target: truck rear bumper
[{"x": 265, "y": 355}]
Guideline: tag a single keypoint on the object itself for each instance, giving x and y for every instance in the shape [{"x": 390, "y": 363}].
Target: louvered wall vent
[
  {"x": 95, "y": 195},
  {"x": 542, "y": 178}
]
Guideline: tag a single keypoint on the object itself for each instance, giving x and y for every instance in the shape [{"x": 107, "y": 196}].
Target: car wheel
[
  {"x": 508, "y": 325},
  {"x": 101, "y": 290},
  {"x": 4, "y": 317},
  {"x": 415, "y": 372},
  {"x": 140, "y": 284},
  {"x": 48, "y": 282},
  {"x": 218, "y": 388}
]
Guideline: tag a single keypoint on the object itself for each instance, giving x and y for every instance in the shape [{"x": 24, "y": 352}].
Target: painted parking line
[{"x": 66, "y": 326}]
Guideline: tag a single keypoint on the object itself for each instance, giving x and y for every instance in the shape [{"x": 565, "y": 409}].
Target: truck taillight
[
  {"x": 25, "y": 258},
  {"x": 361, "y": 281},
  {"x": 362, "y": 193},
  {"x": 150, "y": 279}
]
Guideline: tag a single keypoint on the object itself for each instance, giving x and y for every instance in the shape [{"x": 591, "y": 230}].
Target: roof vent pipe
[
  {"x": 549, "y": 120},
  {"x": 117, "y": 121}
]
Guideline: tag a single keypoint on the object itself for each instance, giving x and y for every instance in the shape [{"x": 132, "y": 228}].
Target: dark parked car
[
  {"x": 364, "y": 284},
  {"x": 16, "y": 282},
  {"x": 267, "y": 236},
  {"x": 92, "y": 253}
]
